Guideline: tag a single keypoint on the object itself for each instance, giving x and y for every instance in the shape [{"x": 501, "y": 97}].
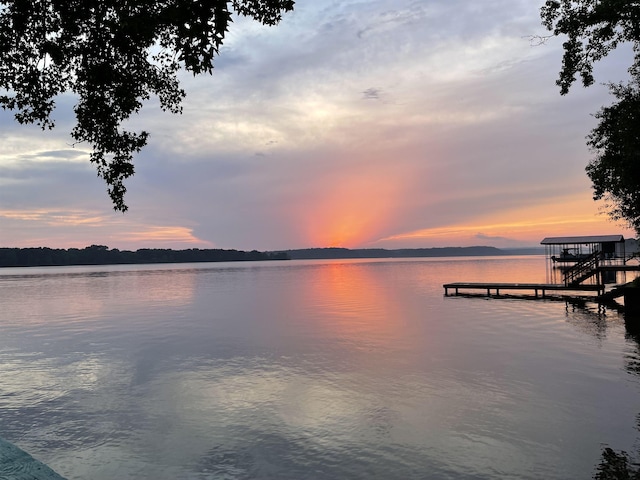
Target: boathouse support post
[{"x": 600, "y": 278}]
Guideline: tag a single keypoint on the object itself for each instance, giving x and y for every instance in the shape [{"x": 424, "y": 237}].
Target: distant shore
[{"x": 102, "y": 255}]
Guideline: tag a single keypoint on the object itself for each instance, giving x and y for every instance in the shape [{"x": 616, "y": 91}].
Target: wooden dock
[
  {"x": 582, "y": 272},
  {"x": 539, "y": 290}
]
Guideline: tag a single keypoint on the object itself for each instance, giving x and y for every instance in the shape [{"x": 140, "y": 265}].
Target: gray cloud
[
  {"x": 279, "y": 137},
  {"x": 371, "y": 94}
]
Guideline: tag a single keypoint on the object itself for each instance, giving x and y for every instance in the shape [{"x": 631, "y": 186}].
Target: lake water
[{"x": 309, "y": 370}]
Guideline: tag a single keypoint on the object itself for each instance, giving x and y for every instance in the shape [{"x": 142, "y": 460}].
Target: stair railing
[{"x": 582, "y": 270}]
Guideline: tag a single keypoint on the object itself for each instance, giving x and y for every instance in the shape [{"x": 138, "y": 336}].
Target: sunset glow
[
  {"x": 350, "y": 124},
  {"x": 352, "y": 211},
  {"x": 521, "y": 227}
]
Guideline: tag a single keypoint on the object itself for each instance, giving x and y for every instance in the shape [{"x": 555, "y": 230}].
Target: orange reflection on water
[
  {"x": 353, "y": 304},
  {"x": 504, "y": 269}
]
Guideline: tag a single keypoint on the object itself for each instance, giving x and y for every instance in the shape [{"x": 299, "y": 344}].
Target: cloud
[
  {"x": 371, "y": 94},
  {"x": 278, "y": 149},
  {"x": 495, "y": 240}
]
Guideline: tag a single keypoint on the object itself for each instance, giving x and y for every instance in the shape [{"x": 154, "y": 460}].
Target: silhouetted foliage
[
  {"x": 615, "y": 170},
  {"x": 101, "y": 255},
  {"x": 113, "y": 55},
  {"x": 593, "y": 29},
  {"x": 616, "y": 466}
]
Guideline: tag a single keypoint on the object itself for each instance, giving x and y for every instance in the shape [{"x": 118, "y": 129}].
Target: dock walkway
[
  {"x": 538, "y": 289},
  {"x": 582, "y": 271}
]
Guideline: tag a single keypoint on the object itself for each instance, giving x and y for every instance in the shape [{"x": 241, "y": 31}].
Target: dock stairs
[
  {"x": 582, "y": 270},
  {"x": 588, "y": 274}
]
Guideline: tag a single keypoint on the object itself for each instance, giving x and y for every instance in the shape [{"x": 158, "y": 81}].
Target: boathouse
[
  {"x": 593, "y": 259},
  {"x": 569, "y": 250},
  {"x": 575, "y": 264}
]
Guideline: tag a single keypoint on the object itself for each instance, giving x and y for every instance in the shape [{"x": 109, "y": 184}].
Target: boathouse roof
[{"x": 582, "y": 240}]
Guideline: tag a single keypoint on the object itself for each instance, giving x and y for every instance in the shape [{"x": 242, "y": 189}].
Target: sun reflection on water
[{"x": 318, "y": 369}]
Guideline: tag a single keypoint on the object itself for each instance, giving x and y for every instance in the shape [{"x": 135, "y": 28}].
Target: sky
[{"x": 358, "y": 124}]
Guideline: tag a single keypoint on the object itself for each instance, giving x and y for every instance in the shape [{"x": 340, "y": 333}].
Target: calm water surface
[{"x": 309, "y": 370}]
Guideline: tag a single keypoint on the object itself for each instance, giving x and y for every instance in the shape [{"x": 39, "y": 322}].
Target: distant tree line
[{"x": 102, "y": 255}]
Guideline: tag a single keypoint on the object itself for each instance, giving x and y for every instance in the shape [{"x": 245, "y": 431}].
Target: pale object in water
[{"x": 16, "y": 464}]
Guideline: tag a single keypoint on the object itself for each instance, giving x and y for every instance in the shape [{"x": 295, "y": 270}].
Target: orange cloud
[
  {"x": 574, "y": 215},
  {"x": 55, "y": 217},
  {"x": 352, "y": 211},
  {"x": 169, "y": 234},
  {"x": 79, "y": 228}
]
